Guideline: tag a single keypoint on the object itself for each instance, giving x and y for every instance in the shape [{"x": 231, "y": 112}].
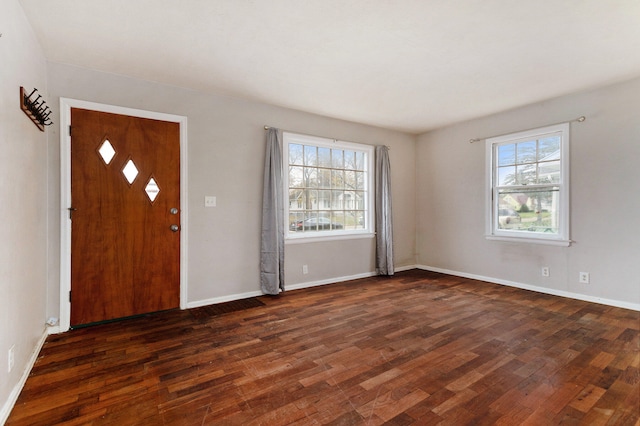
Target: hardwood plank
[{"x": 417, "y": 348}]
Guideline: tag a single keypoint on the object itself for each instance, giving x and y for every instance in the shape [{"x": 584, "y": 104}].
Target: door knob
[
  {"x": 174, "y": 228},
  {"x": 173, "y": 210}
]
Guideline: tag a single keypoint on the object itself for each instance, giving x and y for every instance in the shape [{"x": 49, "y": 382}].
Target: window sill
[
  {"x": 321, "y": 238},
  {"x": 558, "y": 243}
]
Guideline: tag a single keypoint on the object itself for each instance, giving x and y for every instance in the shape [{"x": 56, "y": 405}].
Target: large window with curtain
[{"x": 329, "y": 185}]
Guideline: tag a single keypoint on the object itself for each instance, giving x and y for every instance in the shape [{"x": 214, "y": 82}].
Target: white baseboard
[
  {"x": 222, "y": 299},
  {"x": 309, "y": 284},
  {"x": 347, "y": 278},
  {"x": 15, "y": 393},
  {"x": 404, "y": 268},
  {"x": 545, "y": 290}
]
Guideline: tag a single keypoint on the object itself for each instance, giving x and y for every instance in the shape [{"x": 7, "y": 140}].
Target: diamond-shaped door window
[
  {"x": 106, "y": 151},
  {"x": 152, "y": 189},
  {"x": 130, "y": 171}
]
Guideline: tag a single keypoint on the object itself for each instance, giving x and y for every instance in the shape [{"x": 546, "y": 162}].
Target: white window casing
[
  {"x": 329, "y": 189},
  {"x": 527, "y": 181}
]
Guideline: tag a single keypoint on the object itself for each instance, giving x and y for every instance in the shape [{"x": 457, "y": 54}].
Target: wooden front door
[{"x": 125, "y": 218}]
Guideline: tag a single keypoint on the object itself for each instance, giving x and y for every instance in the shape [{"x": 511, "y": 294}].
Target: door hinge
[
  {"x": 69, "y": 296},
  {"x": 69, "y": 130},
  {"x": 71, "y": 210}
]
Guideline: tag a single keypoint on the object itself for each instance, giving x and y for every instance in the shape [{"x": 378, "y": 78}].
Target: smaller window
[
  {"x": 328, "y": 183},
  {"x": 528, "y": 179}
]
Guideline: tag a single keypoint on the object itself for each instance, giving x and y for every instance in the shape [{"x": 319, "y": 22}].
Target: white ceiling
[{"x": 411, "y": 65}]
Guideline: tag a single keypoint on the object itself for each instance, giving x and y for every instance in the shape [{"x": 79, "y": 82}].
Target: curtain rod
[
  {"x": 305, "y": 134},
  {"x": 316, "y": 136},
  {"x": 579, "y": 120}
]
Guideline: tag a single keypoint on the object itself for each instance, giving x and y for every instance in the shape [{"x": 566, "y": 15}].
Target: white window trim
[
  {"x": 308, "y": 237},
  {"x": 492, "y": 231}
]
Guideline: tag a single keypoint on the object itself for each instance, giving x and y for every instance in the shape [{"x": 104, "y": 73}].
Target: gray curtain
[
  {"x": 384, "y": 227},
  {"x": 272, "y": 240}
]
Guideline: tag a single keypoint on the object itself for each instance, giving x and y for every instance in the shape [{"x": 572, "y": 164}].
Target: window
[
  {"x": 329, "y": 185},
  {"x": 528, "y": 176}
]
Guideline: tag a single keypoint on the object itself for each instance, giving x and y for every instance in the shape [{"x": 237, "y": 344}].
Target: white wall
[
  {"x": 605, "y": 199},
  {"x": 23, "y": 192},
  {"x": 226, "y": 141}
]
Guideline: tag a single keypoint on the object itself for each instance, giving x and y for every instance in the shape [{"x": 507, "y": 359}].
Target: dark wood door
[{"x": 125, "y": 190}]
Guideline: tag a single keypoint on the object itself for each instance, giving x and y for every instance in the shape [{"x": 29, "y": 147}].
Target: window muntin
[
  {"x": 329, "y": 187},
  {"x": 529, "y": 185}
]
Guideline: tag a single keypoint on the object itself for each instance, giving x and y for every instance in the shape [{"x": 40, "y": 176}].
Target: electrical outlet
[
  {"x": 305, "y": 269},
  {"x": 584, "y": 277},
  {"x": 545, "y": 271},
  {"x": 209, "y": 201},
  {"x": 11, "y": 357}
]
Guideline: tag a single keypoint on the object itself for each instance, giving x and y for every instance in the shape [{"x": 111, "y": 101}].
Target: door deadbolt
[
  {"x": 174, "y": 228},
  {"x": 173, "y": 210}
]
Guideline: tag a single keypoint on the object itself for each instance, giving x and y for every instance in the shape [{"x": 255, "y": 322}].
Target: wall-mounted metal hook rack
[{"x": 35, "y": 108}]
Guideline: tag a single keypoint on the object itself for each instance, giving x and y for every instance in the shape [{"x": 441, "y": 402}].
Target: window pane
[
  {"x": 350, "y": 179},
  {"x": 350, "y": 219},
  {"x": 310, "y": 177},
  {"x": 359, "y": 200},
  {"x": 337, "y": 199},
  {"x": 549, "y": 172},
  {"x": 324, "y": 200},
  {"x": 324, "y": 157},
  {"x": 295, "y": 154},
  {"x": 310, "y": 156},
  {"x": 312, "y": 199},
  {"x": 337, "y": 159},
  {"x": 506, "y": 155},
  {"x": 360, "y": 160},
  {"x": 337, "y": 220},
  {"x": 526, "y": 174},
  {"x": 295, "y": 176},
  {"x": 324, "y": 178},
  {"x": 130, "y": 171},
  {"x": 337, "y": 179},
  {"x": 526, "y": 152},
  {"x": 295, "y": 221},
  {"x": 349, "y": 160},
  {"x": 347, "y": 200},
  {"x": 311, "y": 223},
  {"x": 549, "y": 148},
  {"x": 355, "y": 219},
  {"x": 107, "y": 152},
  {"x": 359, "y": 181},
  {"x": 152, "y": 189},
  {"x": 507, "y": 176},
  {"x": 529, "y": 211},
  {"x": 296, "y": 199}
]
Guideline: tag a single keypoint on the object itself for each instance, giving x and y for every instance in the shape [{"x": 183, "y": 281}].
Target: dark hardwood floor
[{"x": 419, "y": 348}]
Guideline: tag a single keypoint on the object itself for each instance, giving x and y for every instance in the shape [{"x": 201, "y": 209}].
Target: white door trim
[{"x": 65, "y": 194}]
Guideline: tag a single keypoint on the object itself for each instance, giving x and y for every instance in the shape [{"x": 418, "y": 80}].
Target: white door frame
[{"x": 65, "y": 195}]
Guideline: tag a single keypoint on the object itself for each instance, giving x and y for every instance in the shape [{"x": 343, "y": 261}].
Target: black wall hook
[{"x": 35, "y": 108}]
